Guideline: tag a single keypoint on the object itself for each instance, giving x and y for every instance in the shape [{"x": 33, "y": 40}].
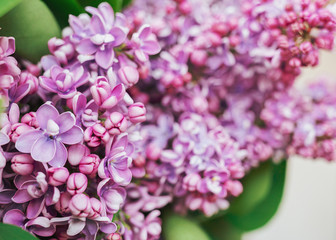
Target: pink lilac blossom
[
  {"x": 69, "y": 137},
  {"x": 218, "y": 99}
]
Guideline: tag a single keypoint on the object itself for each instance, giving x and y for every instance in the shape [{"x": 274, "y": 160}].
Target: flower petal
[
  {"x": 35, "y": 207},
  {"x": 151, "y": 47},
  {"x": 21, "y": 196},
  {"x": 14, "y": 216},
  {"x": 86, "y": 47},
  {"x": 105, "y": 58},
  {"x": 26, "y": 141},
  {"x": 44, "y": 113},
  {"x": 61, "y": 155},
  {"x": 65, "y": 121},
  {"x": 73, "y": 136},
  {"x": 43, "y": 149},
  {"x": 75, "y": 226}
]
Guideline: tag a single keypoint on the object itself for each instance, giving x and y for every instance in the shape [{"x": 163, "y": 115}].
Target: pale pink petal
[{"x": 60, "y": 156}]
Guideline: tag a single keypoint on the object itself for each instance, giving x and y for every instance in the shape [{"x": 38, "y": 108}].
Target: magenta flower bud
[
  {"x": 76, "y": 153},
  {"x": 234, "y": 187},
  {"x": 199, "y": 57},
  {"x": 80, "y": 205},
  {"x": 185, "y": 7},
  {"x": 139, "y": 161},
  {"x": 89, "y": 164},
  {"x": 114, "y": 236},
  {"x": 22, "y": 164},
  {"x": 96, "y": 208},
  {"x": 191, "y": 181},
  {"x": 29, "y": 78},
  {"x": 116, "y": 123},
  {"x": 153, "y": 152},
  {"x": 128, "y": 75},
  {"x": 77, "y": 183},
  {"x": 137, "y": 112},
  {"x": 17, "y": 130},
  {"x": 6, "y": 81},
  {"x": 57, "y": 176},
  {"x": 306, "y": 47},
  {"x": 95, "y": 135},
  {"x": 62, "y": 206},
  {"x": 30, "y": 119},
  {"x": 295, "y": 62}
]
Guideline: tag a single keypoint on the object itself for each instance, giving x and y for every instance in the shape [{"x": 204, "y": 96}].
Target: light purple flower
[
  {"x": 65, "y": 82},
  {"x": 104, "y": 36},
  {"x": 115, "y": 165},
  {"x": 144, "y": 43},
  {"x": 47, "y": 143}
]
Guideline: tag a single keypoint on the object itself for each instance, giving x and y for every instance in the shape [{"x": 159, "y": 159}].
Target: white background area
[{"x": 308, "y": 207}]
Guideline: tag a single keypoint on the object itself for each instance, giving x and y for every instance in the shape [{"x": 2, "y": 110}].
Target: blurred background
[{"x": 308, "y": 208}]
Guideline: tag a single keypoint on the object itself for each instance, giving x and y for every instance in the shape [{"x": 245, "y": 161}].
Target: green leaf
[
  {"x": 267, "y": 207},
  {"x": 126, "y": 3},
  {"x": 176, "y": 227},
  {"x": 221, "y": 229},
  {"x": 32, "y": 24},
  {"x": 116, "y": 4},
  {"x": 62, "y": 8},
  {"x": 9, "y": 232},
  {"x": 7, "y": 5},
  {"x": 257, "y": 184}
]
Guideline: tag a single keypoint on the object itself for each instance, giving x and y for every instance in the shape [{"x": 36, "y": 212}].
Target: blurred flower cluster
[{"x": 212, "y": 83}]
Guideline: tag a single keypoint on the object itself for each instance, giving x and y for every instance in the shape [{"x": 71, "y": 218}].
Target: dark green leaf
[
  {"x": 265, "y": 209},
  {"x": 7, "y": 5},
  {"x": 11, "y": 232},
  {"x": 116, "y": 4},
  {"x": 126, "y": 3},
  {"x": 62, "y": 8},
  {"x": 176, "y": 227},
  {"x": 32, "y": 24},
  {"x": 221, "y": 229}
]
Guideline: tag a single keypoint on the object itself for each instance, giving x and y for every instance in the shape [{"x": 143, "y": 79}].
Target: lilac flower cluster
[
  {"x": 218, "y": 99},
  {"x": 66, "y": 152}
]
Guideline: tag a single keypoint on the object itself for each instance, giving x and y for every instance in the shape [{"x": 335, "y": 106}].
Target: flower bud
[
  {"x": 89, "y": 164},
  {"x": 62, "y": 206},
  {"x": 95, "y": 135},
  {"x": 116, "y": 123},
  {"x": 128, "y": 75},
  {"x": 80, "y": 205},
  {"x": 6, "y": 81},
  {"x": 76, "y": 153},
  {"x": 17, "y": 129},
  {"x": 96, "y": 208},
  {"x": 57, "y": 176},
  {"x": 77, "y": 183},
  {"x": 153, "y": 152},
  {"x": 23, "y": 164},
  {"x": 199, "y": 57},
  {"x": 306, "y": 47},
  {"x": 114, "y": 236},
  {"x": 234, "y": 187},
  {"x": 30, "y": 119},
  {"x": 137, "y": 112}
]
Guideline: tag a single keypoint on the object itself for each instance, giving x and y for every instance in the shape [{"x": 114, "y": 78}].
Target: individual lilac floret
[
  {"x": 64, "y": 82},
  {"x": 104, "y": 36},
  {"x": 144, "y": 43},
  {"x": 47, "y": 143}
]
